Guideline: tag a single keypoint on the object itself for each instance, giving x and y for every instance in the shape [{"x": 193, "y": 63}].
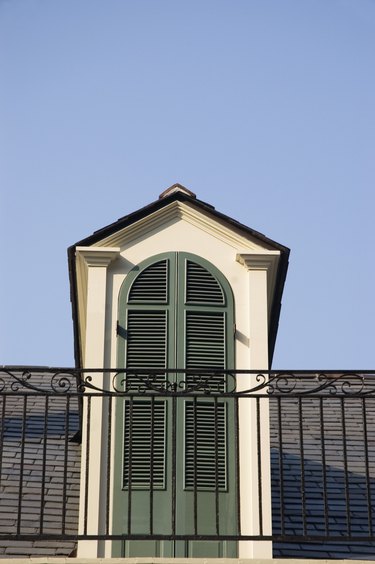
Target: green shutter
[
  {"x": 151, "y": 284},
  {"x": 205, "y": 458},
  {"x": 144, "y": 444},
  {"x": 205, "y": 339},
  {"x": 201, "y": 285},
  {"x": 175, "y": 311},
  {"x": 205, "y": 331},
  {"x": 146, "y": 338},
  {"x": 205, "y": 445}
]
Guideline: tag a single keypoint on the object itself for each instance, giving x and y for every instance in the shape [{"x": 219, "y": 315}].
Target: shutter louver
[
  {"x": 151, "y": 284},
  {"x": 144, "y": 459},
  {"x": 201, "y": 285},
  {"x": 146, "y": 339},
  {"x": 205, "y": 446},
  {"x": 145, "y": 345},
  {"x": 205, "y": 340},
  {"x": 205, "y": 345}
]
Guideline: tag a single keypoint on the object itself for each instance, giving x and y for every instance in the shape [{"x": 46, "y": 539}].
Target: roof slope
[
  {"x": 326, "y": 471},
  {"x": 39, "y": 457}
]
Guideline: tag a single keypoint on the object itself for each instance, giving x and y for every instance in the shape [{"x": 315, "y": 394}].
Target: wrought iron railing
[{"x": 316, "y": 429}]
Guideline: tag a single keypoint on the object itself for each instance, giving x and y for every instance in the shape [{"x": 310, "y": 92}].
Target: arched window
[{"x": 176, "y": 312}]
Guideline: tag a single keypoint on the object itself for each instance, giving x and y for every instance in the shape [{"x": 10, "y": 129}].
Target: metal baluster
[
  {"x": 324, "y": 466},
  {"x": 65, "y": 474},
  {"x": 87, "y": 467},
  {"x": 22, "y": 461},
  {"x": 109, "y": 446},
  {"x": 302, "y": 462},
  {"x": 259, "y": 456},
  {"x": 281, "y": 467},
  {"x": 345, "y": 456}
]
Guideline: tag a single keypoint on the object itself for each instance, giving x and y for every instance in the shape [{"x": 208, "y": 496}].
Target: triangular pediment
[
  {"x": 181, "y": 212},
  {"x": 177, "y": 203}
]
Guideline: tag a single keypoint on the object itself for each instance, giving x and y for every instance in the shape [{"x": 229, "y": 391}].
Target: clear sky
[{"x": 263, "y": 108}]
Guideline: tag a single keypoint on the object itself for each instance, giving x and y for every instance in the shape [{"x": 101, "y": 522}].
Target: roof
[
  {"x": 178, "y": 193},
  {"x": 325, "y": 468},
  {"x": 26, "y": 443}
]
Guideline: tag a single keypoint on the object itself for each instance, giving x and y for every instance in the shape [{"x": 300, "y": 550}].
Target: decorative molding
[
  {"x": 267, "y": 261},
  {"x": 259, "y": 261},
  {"x": 98, "y": 256},
  {"x": 177, "y": 211},
  {"x": 89, "y": 257}
]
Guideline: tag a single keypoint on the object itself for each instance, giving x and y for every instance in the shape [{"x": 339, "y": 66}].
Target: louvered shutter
[
  {"x": 205, "y": 340},
  {"x": 205, "y": 331},
  {"x": 146, "y": 348},
  {"x": 146, "y": 328},
  {"x": 205, "y": 445},
  {"x": 201, "y": 285},
  {"x": 146, "y": 339},
  {"x": 205, "y": 346},
  {"x": 144, "y": 444},
  {"x": 176, "y": 311},
  {"x": 205, "y": 458},
  {"x": 151, "y": 285}
]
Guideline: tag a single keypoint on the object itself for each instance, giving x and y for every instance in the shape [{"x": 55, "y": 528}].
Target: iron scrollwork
[
  {"x": 46, "y": 381},
  {"x": 185, "y": 382}
]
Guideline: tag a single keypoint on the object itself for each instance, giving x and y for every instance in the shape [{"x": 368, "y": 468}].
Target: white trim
[
  {"x": 268, "y": 261},
  {"x": 98, "y": 256},
  {"x": 177, "y": 211},
  {"x": 92, "y": 264},
  {"x": 89, "y": 257}
]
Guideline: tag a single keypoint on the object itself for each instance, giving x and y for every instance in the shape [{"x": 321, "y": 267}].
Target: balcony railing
[{"x": 182, "y": 438}]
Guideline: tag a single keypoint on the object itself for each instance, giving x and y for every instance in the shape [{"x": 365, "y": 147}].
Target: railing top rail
[
  {"x": 183, "y": 382},
  {"x": 73, "y": 370}
]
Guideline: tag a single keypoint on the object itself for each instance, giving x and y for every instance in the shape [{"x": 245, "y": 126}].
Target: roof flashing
[{"x": 177, "y": 188}]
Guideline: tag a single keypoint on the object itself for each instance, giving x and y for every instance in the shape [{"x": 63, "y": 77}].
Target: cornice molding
[
  {"x": 266, "y": 261},
  {"x": 86, "y": 258},
  {"x": 180, "y": 211},
  {"x": 259, "y": 261},
  {"x": 97, "y": 256}
]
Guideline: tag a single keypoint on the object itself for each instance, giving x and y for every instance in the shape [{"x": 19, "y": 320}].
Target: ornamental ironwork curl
[
  {"x": 64, "y": 382},
  {"x": 57, "y": 382},
  {"x": 166, "y": 383},
  {"x": 22, "y": 381},
  {"x": 332, "y": 384},
  {"x": 185, "y": 382},
  {"x": 307, "y": 384},
  {"x": 124, "y": 383},
  {"x": 348, "y": 384},
  {"x": 283, "y": 383}
]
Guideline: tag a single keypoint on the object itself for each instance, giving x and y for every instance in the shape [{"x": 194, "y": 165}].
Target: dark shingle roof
[
  {"x": 24, "y": 446},
  {"x": 342, "y": 489}
]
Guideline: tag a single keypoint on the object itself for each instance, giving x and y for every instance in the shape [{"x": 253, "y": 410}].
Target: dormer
[{"x": 177, "y": 289}]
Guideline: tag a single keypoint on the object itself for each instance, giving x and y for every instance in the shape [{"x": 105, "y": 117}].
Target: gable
[
  {"x": 176, "y": 222},
  {"x": 189, "y": 216}
]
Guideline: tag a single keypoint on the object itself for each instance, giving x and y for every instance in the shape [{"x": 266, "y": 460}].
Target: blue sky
[{"x": 264, "y": 108}]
